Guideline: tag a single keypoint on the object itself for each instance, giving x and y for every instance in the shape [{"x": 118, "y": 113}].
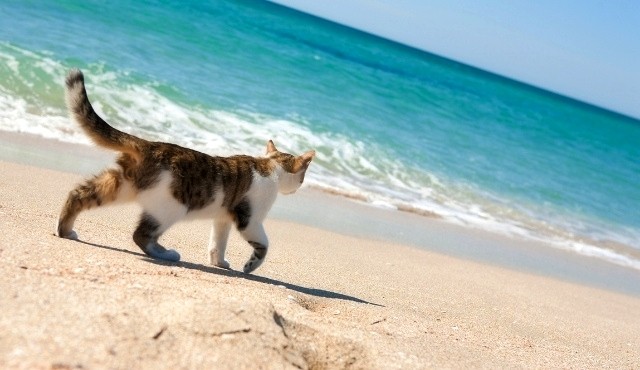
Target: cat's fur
[{"x": 172, "y": 183}]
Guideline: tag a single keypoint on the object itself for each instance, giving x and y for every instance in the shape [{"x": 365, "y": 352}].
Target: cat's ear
[
  {"x": 303, "y": 161},
  {"x": 271, "y": 147}
]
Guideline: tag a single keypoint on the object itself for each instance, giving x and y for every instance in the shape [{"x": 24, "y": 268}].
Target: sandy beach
[{"x": 322, "y": 299}]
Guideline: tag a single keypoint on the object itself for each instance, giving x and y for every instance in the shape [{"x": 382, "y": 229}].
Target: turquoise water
[{"x": 394, "y": 126}]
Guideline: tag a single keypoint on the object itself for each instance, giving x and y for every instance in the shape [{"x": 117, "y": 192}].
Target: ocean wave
[{"x": 32, "y": 101}]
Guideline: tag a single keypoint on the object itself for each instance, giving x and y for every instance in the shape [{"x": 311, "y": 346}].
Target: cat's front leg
[
  {"x": 218, "y": 243},
  {"x": 254, "y": 234}
]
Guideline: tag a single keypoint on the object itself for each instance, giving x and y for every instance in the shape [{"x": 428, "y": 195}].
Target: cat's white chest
[{"x": 262, "y": 195}]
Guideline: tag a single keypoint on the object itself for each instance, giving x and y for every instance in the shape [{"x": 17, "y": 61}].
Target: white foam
[
  {"x": 10, "y": 61},
  {"x": 15, "y": 117}
]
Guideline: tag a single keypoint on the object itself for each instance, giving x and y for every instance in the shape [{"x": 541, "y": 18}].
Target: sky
[{"x": 585, "y": 49}]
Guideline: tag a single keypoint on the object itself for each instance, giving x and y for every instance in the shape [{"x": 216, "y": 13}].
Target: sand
[{"x": 321, "y": 299}]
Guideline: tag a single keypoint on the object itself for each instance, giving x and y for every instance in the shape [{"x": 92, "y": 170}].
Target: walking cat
[{"x": 172, "y": 183}]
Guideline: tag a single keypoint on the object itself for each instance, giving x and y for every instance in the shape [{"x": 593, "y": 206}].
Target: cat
[{"x": 172, "y": 183}]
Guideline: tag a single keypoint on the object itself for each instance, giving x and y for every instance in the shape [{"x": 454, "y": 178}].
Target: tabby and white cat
[{"x": 172, "y": 183}]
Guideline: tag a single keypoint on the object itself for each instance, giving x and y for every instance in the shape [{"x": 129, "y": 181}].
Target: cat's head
[{"x": 294, "y": 168}]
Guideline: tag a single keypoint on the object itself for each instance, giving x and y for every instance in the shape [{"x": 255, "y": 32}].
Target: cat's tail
[{"x": 95, "y": 127}]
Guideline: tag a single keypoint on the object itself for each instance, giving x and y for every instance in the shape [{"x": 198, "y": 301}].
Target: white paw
[
  {"x": 170, "y": 255},
  {"x": 70, "y": 235},
  {"x": 214, "y": 260},
  {"x": 223, "y": 264},
  {"x": 164, "y": 254}
]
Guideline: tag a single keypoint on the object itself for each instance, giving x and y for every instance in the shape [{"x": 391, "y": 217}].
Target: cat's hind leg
[
  {"x": 146, "y": 237},
  {"x": 160, "y": 211},
  {"x": 218, "y": 243},
  {"x": 97, "y": 191}
]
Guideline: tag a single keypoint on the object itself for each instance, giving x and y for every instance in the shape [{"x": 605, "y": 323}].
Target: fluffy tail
[{"x": 95, "y": 127}]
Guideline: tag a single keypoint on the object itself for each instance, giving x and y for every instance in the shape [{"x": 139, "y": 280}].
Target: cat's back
[
  {"x": 168, "y": 155},
  {"x": 198, "y": 178}
]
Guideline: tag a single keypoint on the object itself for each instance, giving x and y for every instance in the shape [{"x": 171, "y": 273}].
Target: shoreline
[
  {"x": 353, "y": 217},
  {"x": 322, "y": 299}
]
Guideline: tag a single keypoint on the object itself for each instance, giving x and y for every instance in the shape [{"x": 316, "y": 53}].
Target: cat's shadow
[{"x": 238, "y": 274}]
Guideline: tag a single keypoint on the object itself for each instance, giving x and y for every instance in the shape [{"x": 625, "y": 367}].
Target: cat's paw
[
  {"x": 72, "y": 235},
  {"x": 170, "y": 255},
  {"x": 161, "y": 253},
  {"x": 223, "y": 264},
  {"x": 217, "y": 261},
  {"x": 251, "y": 265},
  {"x": 62, "y": 233}
]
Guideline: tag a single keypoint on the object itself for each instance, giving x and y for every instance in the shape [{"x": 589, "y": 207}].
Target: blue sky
[{"x": 588, "y": 50}]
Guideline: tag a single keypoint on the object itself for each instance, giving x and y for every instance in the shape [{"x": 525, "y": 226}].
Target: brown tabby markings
[
  {"x": 259, "y": 252},
  {"x": 196, "y": 181},
  {"x": 99, "y": 190}
]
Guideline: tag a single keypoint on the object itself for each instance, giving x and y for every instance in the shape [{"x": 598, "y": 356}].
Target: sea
[{"x": 394, "y": 127}]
